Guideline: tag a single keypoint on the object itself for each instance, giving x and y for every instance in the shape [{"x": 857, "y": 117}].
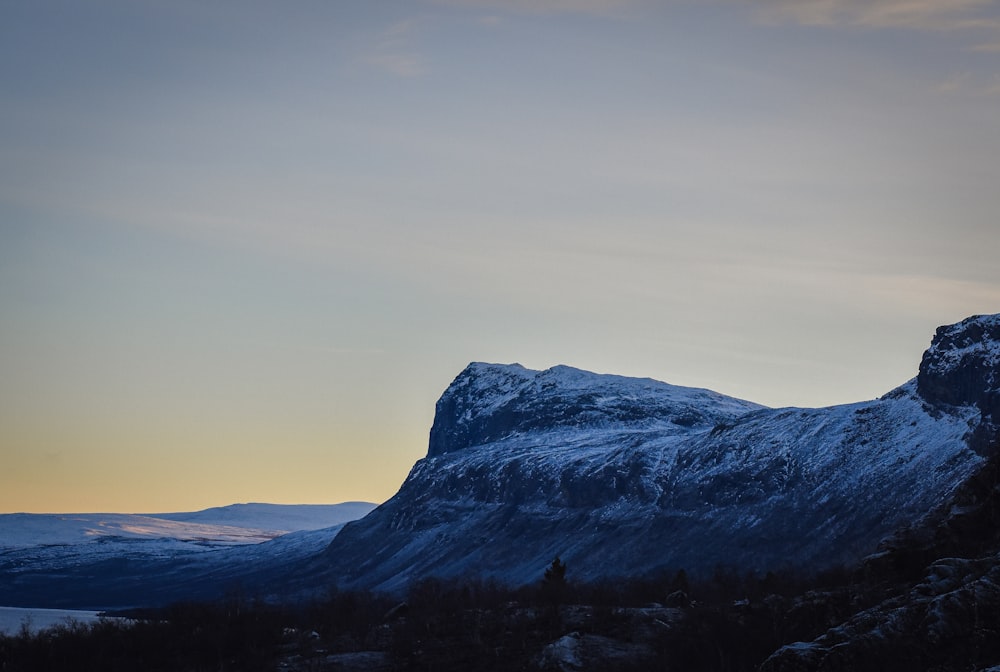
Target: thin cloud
[
  {"x": 993, "y": 89},
  {"x": 394, "y": 52},
  {"x": 401, "y": 65},
  {"x": 977, "y": 18},
  {"x": 920, "y": 14},
  {"x": 955, "y": 83},
  {"x": 597, "y": 7},
  {"x": 968, "y": 84}
]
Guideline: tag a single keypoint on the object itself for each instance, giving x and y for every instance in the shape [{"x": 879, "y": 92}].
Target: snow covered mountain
[
  {"x": 617, "y": 476},
  {"x": 621, "y": 476}
]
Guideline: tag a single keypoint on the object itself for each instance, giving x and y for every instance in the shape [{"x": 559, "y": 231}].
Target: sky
[{"x": 245, "y": 246}]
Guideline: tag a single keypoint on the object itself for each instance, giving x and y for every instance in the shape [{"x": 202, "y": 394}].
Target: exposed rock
[
  {"x": 678, "y": 599},
  {"x": 949, "y": 621},
  {"x": 575, "y": 652},
  {"x": 962, "y": 366}
]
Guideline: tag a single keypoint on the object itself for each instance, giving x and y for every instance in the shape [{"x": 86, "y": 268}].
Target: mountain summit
[
  {"x": 491, "y": 402},
  {"x": 624, "y": 476}
]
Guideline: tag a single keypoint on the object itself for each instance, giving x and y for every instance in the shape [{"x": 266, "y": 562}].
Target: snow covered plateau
[
  {"x": 219, "y": 526},
  {"x": 99, "y": 561}
]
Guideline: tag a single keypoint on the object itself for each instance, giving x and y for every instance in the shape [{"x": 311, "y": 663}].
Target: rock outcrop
[{"x": 962, "y": 368}]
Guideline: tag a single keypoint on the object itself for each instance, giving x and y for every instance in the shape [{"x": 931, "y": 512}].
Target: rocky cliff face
[
  {"x": 962, "y": 368},
  {"x": 622, "y": 476}
]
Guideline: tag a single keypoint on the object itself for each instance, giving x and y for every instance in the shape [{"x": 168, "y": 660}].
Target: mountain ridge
[{"x": 632, "y": 476}]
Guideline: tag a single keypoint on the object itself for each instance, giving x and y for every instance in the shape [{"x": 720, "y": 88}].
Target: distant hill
[
  {"x": 99, "y": 561},
  {"x": 234, "y": 524},
  {"x": 283, "y": 517}
]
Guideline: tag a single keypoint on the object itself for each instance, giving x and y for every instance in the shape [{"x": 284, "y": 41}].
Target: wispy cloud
[
  {"x": 921, "y": 14},
  {"x": 993, "y": 88},
  {"x": 599, "y": 7},
  {"x": 965, "y": 83},
  {"x": 955, "y": 83},
  {"x": 402, "y": 65},
  {"x": 395, "y": 53},
  {"x": 979, "y": 19}
]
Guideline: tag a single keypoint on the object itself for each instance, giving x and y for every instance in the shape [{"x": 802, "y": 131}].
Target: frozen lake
[{"x": 11, "y": 618}]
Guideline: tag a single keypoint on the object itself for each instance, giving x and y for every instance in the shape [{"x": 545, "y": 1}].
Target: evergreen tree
[{"x": 554, "y": 582}]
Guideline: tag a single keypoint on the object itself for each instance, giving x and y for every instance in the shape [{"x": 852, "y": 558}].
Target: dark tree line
[{"x": 438, "y": 625}]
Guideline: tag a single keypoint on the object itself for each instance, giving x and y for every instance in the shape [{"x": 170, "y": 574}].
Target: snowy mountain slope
[{"x": 621, "y": 476}]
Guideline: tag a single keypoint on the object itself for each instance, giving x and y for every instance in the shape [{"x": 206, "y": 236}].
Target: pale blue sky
[{"x": 244, "y": 246}]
